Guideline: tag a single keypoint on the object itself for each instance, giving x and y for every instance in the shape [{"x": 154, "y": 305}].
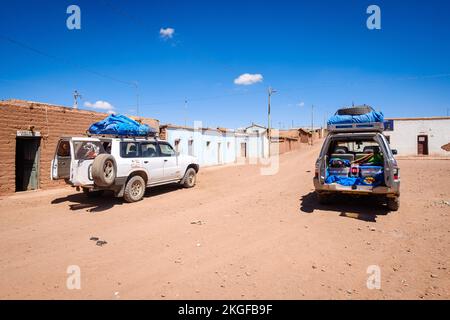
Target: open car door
[
  {"x": 60, "y": 166},
  {"x": 389, "y": 161}
]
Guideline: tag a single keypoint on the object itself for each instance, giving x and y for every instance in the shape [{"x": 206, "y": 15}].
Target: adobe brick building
[{"x": 28, "y": 137}]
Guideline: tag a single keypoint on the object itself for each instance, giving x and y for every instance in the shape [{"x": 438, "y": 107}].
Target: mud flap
[{"x": 119, "y": 186}]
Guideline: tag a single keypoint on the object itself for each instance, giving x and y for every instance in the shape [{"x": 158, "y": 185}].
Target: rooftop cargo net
[
  {"x": 121, "y": 125},
  {"x": 352, "y": 119}
]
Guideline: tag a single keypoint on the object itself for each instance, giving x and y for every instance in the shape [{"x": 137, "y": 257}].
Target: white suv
[{"x": 124, "y": 165}]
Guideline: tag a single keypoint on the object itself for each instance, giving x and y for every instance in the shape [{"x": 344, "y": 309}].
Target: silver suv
[{"x": 341, "y": 166}]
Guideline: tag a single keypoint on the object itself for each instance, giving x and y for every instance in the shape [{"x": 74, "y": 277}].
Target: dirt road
[{"x": 236, "y": 235}]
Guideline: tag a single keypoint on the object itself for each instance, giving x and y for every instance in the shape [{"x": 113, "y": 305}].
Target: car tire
[
  {"x": 190, "y": 178},
  {"x": 393, "y": 204},
  {"x": 134, "y": 189},
  {"x": 324, "y": 198},
  {"x": 104, "y": 170},
  {"x": 354, "y": 111},
  {"x": 92, "y": 194}
]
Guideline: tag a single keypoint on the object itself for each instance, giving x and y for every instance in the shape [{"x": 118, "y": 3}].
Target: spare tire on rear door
[{"x": 104, "y": 170}]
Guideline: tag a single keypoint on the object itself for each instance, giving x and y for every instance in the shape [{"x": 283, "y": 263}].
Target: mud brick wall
[{"x": 52, "y": 122}]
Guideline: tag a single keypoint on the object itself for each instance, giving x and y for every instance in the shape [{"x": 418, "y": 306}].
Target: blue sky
[{"x": 311, "y": 52}]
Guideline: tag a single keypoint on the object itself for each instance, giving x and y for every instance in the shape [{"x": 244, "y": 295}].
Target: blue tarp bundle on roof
[
  {"x": 122, "y": 126},
  {"x": 372, "y": 116}
]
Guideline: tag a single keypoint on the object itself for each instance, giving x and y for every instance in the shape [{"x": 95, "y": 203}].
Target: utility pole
[
  {"x": 76, "y": 95},
  {"x": 270, "y": 92},
  {"x": 185, "y": 111},
  {"x": 312, "y": 123}
]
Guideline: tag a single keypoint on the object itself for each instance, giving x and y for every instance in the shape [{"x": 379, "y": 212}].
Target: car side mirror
[{"x": 394, "y": 151}]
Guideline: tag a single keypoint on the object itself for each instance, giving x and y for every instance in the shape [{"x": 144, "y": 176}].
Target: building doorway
[
  {"x": 422, "y": 145},
  {"x": 243, "y": 149},
  {"x": 219, "y": 153},
  {"x": 27, "y": 163}
]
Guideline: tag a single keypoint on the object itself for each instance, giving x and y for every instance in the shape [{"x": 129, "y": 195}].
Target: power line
[
  {"x": 182, "y": 100},
  {"x": 65, "y": 61}
]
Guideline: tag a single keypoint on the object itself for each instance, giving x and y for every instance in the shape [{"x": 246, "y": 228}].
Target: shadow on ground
[
  {"x": 79, "y": 201},
  {"x": 364, "y": 208}
]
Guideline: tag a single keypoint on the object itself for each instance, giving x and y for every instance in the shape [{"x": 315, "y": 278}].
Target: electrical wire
[{"x": 65, "y": 61}]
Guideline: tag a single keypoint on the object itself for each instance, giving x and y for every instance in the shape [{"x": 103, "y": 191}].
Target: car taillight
[
  {"x": 354, "y": 171},
  {"x": 396, "y": 174}
]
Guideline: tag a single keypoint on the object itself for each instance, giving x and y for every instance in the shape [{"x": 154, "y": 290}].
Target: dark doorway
[
  {"x": 422, "y": 145},
  {"x": 27, "y": 163},
  {"x": 243, "y": 149}
]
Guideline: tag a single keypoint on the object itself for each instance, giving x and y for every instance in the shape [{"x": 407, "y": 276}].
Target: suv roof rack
[
  {"x": 356, "y": 127},
  {"x": 117, "y": 136}
]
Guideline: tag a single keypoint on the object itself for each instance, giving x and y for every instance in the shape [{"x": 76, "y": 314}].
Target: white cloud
[
  {"x": 166, "y": 33},
  {"x": 248, "y": 79},
  {"x": 301, "y": 104},
  {"x": 102, "y": 105}
]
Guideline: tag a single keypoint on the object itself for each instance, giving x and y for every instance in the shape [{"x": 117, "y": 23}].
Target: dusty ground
[{"x": 238, "y": 234}]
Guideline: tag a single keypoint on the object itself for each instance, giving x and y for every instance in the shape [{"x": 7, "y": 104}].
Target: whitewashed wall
[
  {"x": 209, "y": 154},
  {"x": 404, "y": 136}
]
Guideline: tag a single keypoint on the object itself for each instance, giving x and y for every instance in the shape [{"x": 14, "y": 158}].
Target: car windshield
[{"x": 87, "y": 150}]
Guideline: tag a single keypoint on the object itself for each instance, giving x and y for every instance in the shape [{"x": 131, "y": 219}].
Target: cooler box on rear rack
[
  {"x": 340, "y": 172},
  {"x": 370, "y": 171}
]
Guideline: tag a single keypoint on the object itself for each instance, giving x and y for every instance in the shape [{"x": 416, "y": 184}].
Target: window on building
[
  {"x": 177, "y": 145},
  {"x": 208, "y": 143}
]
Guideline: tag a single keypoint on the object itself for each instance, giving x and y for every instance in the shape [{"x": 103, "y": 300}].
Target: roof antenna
[{"x": 353, "y": 103}]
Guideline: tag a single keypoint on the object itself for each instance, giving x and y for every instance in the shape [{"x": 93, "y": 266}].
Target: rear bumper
[
  {"x": 118, "y": 182},
  {"x": 336, "y": 188}
]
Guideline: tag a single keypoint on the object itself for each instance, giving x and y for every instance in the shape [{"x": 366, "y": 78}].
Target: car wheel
[
  {"x": 104, "y": 170},
  {"x": 134, "y": 189},
  {"x": 92, "y": 194},
  {"x": 190, "y": 177},
  {"x": 393, "y": 204},
  {"x": 324, "y": 198}
]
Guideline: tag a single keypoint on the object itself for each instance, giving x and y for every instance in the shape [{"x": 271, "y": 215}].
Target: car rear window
[{"x": 87, "y": 150}]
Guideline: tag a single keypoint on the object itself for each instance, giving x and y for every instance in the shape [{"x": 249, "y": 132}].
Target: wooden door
[
  {"x": 422, "y": 145},
  {"x": 243, "y": 149}
]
